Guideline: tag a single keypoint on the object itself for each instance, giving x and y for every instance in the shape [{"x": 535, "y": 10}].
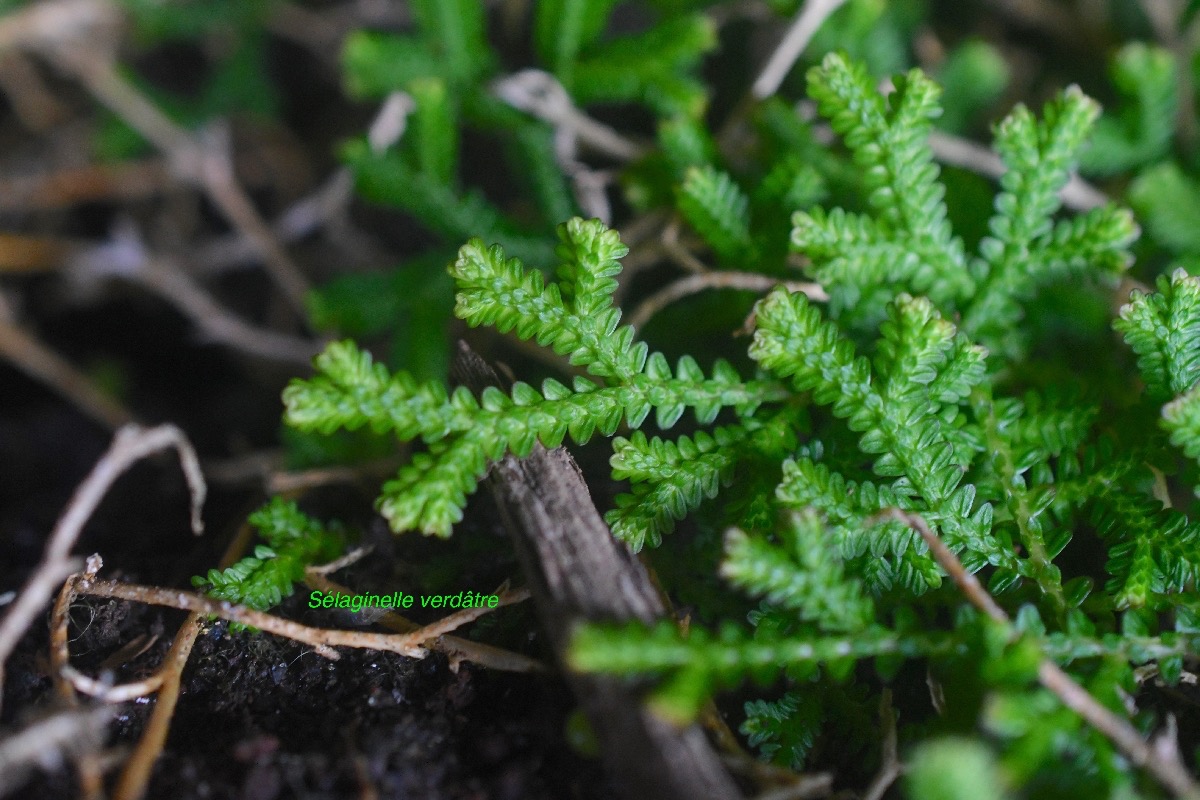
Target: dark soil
[{"x": 258, "y": 717}]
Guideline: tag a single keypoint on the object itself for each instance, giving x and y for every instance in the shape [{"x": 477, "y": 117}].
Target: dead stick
[
  {"x": 579, "y": 573},
  {"x": 135, "y": 775},
  {"x": 131, "y": 444},
  {"x": 1168, "y": 771}
]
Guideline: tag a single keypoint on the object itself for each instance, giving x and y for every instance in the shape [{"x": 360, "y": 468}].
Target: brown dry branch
[
  {"x": 578, "y": 572},
  {"x": 692, "y": 284},
  {"x": 50, "y": 741},
  {"x": 322, "y": 640},
  {"x": 454, "y": 647},
  {"x": 135, "y": 776},
  {"x": 31, "y": 99},
  {"x": 124, "y": 257},
  {"x": 1161, "y": 762},
  {"x": 131, "y": 444},
  {"x": 35, "y": 359},
  {"x": 80, "y": 37},
  {"x": 540, "y": 94},
  {"x": 679, "y": 253},
  {"x": 808, "y": 20},
  {"x": 890, "y": 768}
]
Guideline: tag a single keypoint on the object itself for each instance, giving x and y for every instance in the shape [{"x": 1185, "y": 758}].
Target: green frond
[
  {"x": 803, "y": 573},
  {"x": 1024, "y": 249},
  {"x": 1140, "y": 132},
  {"x": 390, "y": 179},
  {"x": 1181, "y": 419},
  {"x": 562, "y": 28},
  {"x": 889, "y": 142},
  {"x": 913, "y": 346},
  {"x": 852, "y": 252},
  {"x": 718, "y": 210},
  {"x": 1096, "y": 241},
  {"x": 685, "y": 143},
  {"x": 731, "y": 654},
  {"x": 454, "y": 30},
  {"x": 653, "y": 67},
  {"x": 1154, "y": 553},
  {"x": 433, "y": 129},
  {"x": 501, "y": 293},
  {"x": 1163, "y": 329},
  {"x": 293, "y": 541},
  {"x": 886, "y": 553},
  {"x": 670, "y": 479},
  {"x": 793, "y": 341},
  {"x": 349, "y": 390},
  {"x": 792, "y": 184},
  {"x": 376, "y": 64},
  {"x": 1167, "y": 200},
  {"x": 589, "y": 256},
  {"x": 783, "y": 730},
  {"x": 430, "y": 493}
]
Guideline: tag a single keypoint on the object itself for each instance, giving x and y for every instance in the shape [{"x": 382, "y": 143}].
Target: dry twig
[
  {"x": 48, "y": 742},
  {"x": 1163, "y": 763},
  {"x": 322, "y": 640},
  {"x": 79, "y": 36},
  {"x": 692, "y": 284},
  {"x": 131, "y": 444},
  {"x": 125, "y": 257},
  {"x": 808, "y": 20},
  {"x": 890, "y": 768},
  {"x": 456, "y": 648}
]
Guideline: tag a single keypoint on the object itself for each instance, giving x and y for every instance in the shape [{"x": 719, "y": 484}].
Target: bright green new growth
[
  {"x": 907, "y": 244},
  {"x": 293, "y": 541},
  {"x": 893, "y": 402},
  {"x": 574, "y": 317}
]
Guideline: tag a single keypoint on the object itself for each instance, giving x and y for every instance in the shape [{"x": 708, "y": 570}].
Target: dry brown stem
[
  {"x": 322, "y": 640},
  {"x": 79, "y": 36},
  {"x": 456, "y": 648},
  {"x": 692, "y": 284},
  {"x": 131, "y": 444},
  {"x": 1163, "y": 763},
  {"x": 806, "y": 23}
]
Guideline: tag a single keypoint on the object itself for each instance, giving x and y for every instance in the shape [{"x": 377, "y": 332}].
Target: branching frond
[
  {"x": 909, "y": 243},
  {"x": 718, "y": 210},
  {"x": 1024, "y": 248},
  {"x": 351, "y": 391},
  {"x": 1154, "y": 553},
  {"x": 1163, "y": 328},
  {"x": 803, "y": 573}
]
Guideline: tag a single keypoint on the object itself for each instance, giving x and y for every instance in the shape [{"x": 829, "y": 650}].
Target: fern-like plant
[{"x": 913, "y": 394}]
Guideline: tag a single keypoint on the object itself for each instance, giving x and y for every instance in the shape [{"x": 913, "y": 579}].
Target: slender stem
[
  {"x": 806, "y": 23},
  {"x": 1162, "y": 763},
  {"x": 692, "y": 284},
  {"x": 131, "y": 444}
]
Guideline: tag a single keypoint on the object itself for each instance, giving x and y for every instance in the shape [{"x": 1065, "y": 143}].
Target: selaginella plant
[{"x": 915, "y": 393}]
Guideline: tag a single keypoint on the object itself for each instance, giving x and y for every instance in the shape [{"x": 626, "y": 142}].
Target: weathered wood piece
[{"x": 578, "y": 572}]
